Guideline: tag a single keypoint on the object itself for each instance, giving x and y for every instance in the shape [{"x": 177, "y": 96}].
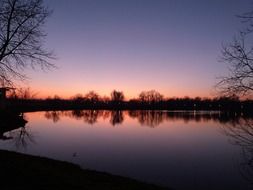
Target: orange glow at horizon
[
  {"x": 110, "y": 50},
  {"x": 129, "y": 93}
]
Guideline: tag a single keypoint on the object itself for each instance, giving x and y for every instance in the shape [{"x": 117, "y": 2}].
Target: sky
[{"x": 172, "y": 46}]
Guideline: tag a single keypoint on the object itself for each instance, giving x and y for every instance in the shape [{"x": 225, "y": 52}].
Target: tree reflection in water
[
  {"x": 150, "y": 118},
  {"x": 239, "y": 128},
  {"x": 13, "y": 127},
  {"x": 22, "y": 137},
  {"x": 241, "y": 134},
  {"x": 54, "y": 115},
  {"x": 116, "y": 117}
]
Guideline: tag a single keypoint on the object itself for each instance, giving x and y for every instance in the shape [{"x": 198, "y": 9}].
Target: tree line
[{"x": 149, "y": 100}]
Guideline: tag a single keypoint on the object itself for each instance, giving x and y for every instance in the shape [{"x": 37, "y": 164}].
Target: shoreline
[
  {"x": 21, "y": 171},
  {"x": 226, "y": 105}
]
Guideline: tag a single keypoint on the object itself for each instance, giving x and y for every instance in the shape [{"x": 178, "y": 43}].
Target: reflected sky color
[
  {"x": 185, "y": 150},
  {"x": 133, "y": 45}
]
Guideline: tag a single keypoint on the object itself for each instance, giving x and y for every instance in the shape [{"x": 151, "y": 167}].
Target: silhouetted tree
[
  {"x": 23, "y": 93},
  {"x": 151, "y": 96},
  {"x": 117, "y": 96},
  {"x": 105, "y": 99},
  {"x": 92, "y": 97},
  {"x": 21, "y": 38},
  {"x": 78, "y": 98},
  {"x": 239, "y": 56}
]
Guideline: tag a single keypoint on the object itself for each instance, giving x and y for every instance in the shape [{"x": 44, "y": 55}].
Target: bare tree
[
  {"x": 151, "y": 96},
  {"x": 239, "y": 57},
  {"x": 117, "y": 96},
  {"x": 21, "y": 38},
  {"x": 92, "y": 97},
  {"x": 22, "y": 93}
]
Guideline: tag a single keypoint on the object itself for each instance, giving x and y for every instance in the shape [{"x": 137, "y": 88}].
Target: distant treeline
[{"x": 148, "y": 100}]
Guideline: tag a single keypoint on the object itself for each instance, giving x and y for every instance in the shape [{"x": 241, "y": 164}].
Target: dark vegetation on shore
[
  {"x": 19, "y": 171},
  {"x": 149, "y": 100}
]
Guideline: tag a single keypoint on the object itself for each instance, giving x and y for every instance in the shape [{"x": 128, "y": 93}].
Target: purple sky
[{"x": 172, "y": 46}]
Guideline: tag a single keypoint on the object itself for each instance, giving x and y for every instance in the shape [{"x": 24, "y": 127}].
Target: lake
[{"x": 181, "y": 150}]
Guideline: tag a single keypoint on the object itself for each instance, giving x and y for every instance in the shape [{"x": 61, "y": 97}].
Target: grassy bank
[{"x": 19, "y": 171}]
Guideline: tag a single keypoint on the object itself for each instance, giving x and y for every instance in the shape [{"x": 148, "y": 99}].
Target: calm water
[{"x": 182, "y": 150}]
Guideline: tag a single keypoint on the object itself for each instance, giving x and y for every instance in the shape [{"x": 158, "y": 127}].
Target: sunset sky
[{"x": 172, "y": 46}]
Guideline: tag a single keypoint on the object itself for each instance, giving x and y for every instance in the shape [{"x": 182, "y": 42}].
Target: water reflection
[
  {"x": 151, "y": 118},
  {"x": 13, "y": 127},
  {"x": 22, "y": 137},
  {"x": 156, "y": 154},
  {"x": 10, "y": 122},
  {"x": 241, "y": 134},
  {"x": 54, "y": 115},
  {"x": 238, "y": 127},
  {"x": 116, "y": 117}
]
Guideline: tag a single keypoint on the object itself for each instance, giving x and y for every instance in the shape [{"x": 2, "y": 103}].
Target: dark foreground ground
[{"x": 19, "y": 171}]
